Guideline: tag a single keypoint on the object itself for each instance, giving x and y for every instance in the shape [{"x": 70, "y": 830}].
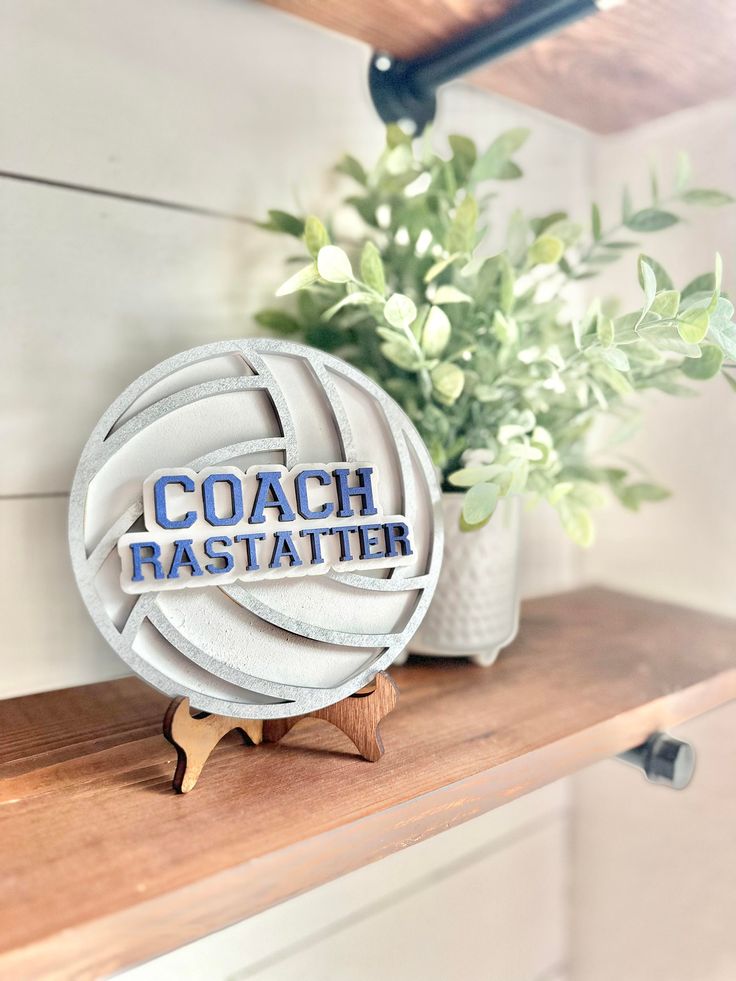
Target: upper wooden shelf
[
  {"x": 103, "y": 866},
  {"x": 611, "y": 71}
]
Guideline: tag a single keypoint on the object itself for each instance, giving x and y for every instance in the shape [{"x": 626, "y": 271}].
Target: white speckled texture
[{"x": 475, "y": 610}]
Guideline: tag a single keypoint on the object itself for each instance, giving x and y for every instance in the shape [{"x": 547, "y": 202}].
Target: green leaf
[
  {"x": 666, "y": 304},
  {"x": 450, "y": 294},
  {"x": 717, "y": 276},
  {"x": 654, "y": 186},
  {"x": 692, "y": 326},
  {"x": 278, "y": 320},
  {"x": 396, "y": 136},
  {"x": 351, "y": 300},
  {"x": 470, "y": 476},
  {"x": 669, "y": 342},
  {"x": 447, "y": 381},
  {"x": 299, "y": 281},
  {"x": 436, "y": 332},
  {"x": 315, "y": 235},
  {"x": 400, "y": 311},
  {"x": 568, "y": 231},
  {"x": 605, "y": 331},
  {"x": 626, "y": 206},
  {"x": 547, "y": 250},
  {"x": 371, "y": 268},
  {"x": 706, "y": 366},
  {"x": 730, "y": 379},
  {"x": 660, "y": 274},
  {"x": 613, "y": 378},
  {"x": 634, "y": 495},
  {"x": 704, "y": 283},
  {"x": 439, "y": 267},
  {"x": 464, "y": 155},
  {"x": 506, "y": 292},
  {"x": 650, "y": 220},
  {"x": 707, "y": 197},
  {"x": 539, "y": 225},
  {"x": 282, "y": 221},
  {"x": 366, "y": 208},
  {"x": 577, "y": 522},
  {"x": 508, "y": 171},
  {"x": 400, "y": 352},
  {"x": 649, "y": 283},
  {"x": 588, "y": 494},
  {"x": 352, "y": 168},
  {"x": 486, "y": 393},
  {"x": 505, "y": 328},
  {"x": 723, "y": 333},
  {"x": 333, "y": 265},
  {"x": 616, "y": 358},
  {"x": 510, "y": 141},
  {"x": 683, "y": 171},
  {"x": 461, "y": 236},
  {"x": 595, "y": 221},
  {"x": 493, "y": 164},
  {"x": 479, "y": 504},
  {"x": 516, "y": 237}
]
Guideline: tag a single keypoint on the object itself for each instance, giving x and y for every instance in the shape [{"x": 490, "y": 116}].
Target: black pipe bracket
[{"x": 663, "y": 759}]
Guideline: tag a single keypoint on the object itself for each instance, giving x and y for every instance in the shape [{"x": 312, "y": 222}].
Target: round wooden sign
[{"x": 256, "y": 525}]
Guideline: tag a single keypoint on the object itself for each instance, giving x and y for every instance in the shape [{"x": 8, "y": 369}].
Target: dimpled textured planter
[{"x": 475, "y": 611}]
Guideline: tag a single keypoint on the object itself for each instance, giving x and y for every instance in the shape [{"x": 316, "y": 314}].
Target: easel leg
[
  {"x": 359, "y": 716},
  {"x": 194, "y": 737}
]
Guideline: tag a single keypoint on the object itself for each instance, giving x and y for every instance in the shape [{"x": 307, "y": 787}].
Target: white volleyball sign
[{"x": 256, "y": 525}]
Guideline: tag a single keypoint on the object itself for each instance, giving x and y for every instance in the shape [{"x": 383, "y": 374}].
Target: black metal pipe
[
  {"x": 406, "y": 89},
  {"x": 663, "y": 759}
]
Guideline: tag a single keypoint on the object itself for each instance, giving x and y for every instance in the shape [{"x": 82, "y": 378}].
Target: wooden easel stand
[{"x": 195, "y": 736}]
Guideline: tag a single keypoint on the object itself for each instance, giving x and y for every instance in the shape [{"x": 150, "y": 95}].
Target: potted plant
[{"x": 487, "y": 354}]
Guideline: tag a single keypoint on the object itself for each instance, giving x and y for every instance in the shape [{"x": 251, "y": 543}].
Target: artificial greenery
[{"x": 485, "y": 353}]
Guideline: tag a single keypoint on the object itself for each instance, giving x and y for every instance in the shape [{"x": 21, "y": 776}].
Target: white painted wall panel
[
  {"x": 654, "y": 886},
  {"x": 683, "y": 549},
  {"x": 93, "y": 292},
  {"x": 498, "y": 918},
  {"x": 48, "y": 640},
  {"x": 383, "y": 912}
]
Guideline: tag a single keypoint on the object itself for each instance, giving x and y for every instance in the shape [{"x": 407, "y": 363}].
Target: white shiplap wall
[{"x": 188, "y": 115}]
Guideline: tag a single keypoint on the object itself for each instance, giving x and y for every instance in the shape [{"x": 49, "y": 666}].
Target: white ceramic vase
[{"x": 475, "y": 611}]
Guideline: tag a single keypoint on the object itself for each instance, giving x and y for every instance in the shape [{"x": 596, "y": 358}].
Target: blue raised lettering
[
  {"x": 314, "y": 535},
  {"x": 236, "y": 499},
  {"x": 250, "y": 544},
  {"x": 368, "y": 541},
  {"x": 211, "y": 554},
  {"x": 397, "y": 533},
  {"x": 364, "y": 489},
  {"x": 184, "y": 558},
  {"x": 159, "y": 497},
  {"x": 269, "y": 480},
  {"x": 284, "y": 547},
  {"x": 139, "y": 560},
  {"x": 302, "y": 502}
]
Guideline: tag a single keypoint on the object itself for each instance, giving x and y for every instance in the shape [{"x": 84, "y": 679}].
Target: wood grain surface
[
  {"x": 611, "y": 71},
  {"x": 102, "y": 865}
]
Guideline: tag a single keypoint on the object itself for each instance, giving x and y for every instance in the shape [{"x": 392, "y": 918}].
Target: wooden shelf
[
  {"x": 610, "y": 71},
  {"x": 103, "y": 866}
]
